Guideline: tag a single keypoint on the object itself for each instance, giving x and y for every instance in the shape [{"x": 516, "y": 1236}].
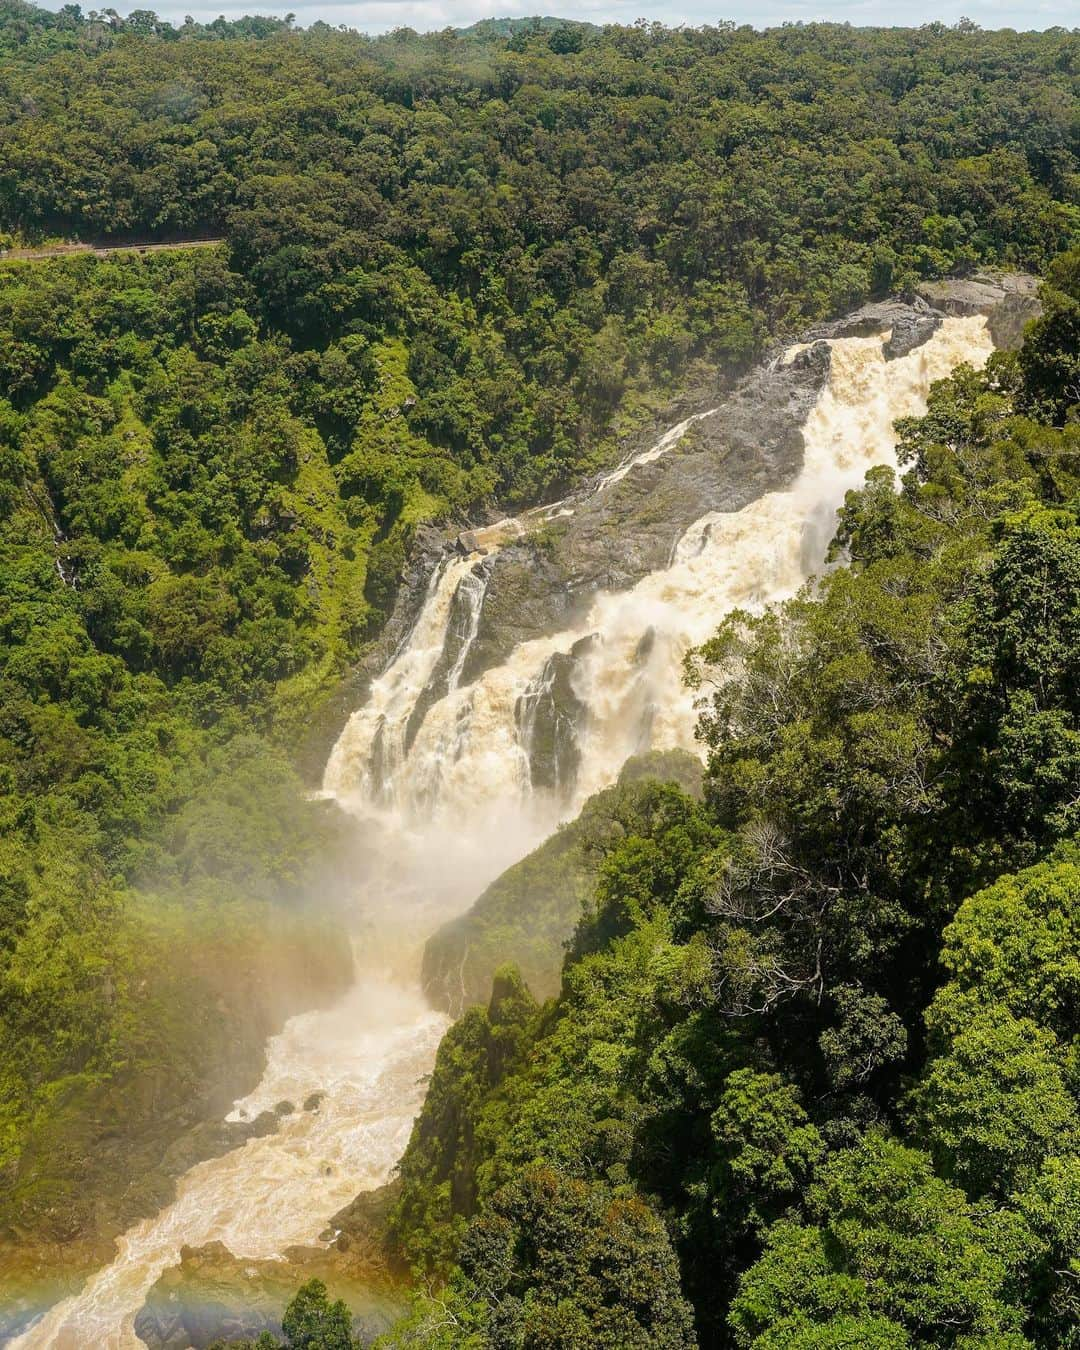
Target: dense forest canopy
[{"x": 456, "y": 269}]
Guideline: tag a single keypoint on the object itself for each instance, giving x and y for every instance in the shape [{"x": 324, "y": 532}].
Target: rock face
[
  {"x": 910, "y": 323},
  {"x": 550, "y": 717},
  {"x": 1009, "y": 300},
  {"x": 751, "y": 444},
  {"x": 213, "y": 1295}
]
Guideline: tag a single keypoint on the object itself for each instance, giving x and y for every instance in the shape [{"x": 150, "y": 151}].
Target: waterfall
[
  {"x": 452, "y": 799},
  {"x": 382, "y": 723},
  {"x": 471, "y": 754}
]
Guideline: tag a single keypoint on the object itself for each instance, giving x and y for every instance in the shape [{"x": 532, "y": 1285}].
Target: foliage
[
  {"x": 516, "y": 235},
  {"x": 528, "y": 914},
  {"x": 896, "y": 1257},
  {"x": 311, "y": 1322},
  {"x": 557, "y": 1262},
  {"x": 438, "y": 1174}
]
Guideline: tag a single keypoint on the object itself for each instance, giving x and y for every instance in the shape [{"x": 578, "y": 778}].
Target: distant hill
[{"x": 508, "y": 27}]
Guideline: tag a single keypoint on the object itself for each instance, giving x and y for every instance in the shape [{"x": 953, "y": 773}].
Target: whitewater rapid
[{"x": 452, "y": 808}]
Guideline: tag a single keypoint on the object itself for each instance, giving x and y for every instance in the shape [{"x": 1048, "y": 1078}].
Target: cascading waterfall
[
  {"x": 452, "y": 800},
  {"x": 385, "y": 716},
  {"x": 470, "y": 754}
]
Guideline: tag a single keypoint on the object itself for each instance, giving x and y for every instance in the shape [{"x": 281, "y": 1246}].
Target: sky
[{"x": 376, "y": 16}]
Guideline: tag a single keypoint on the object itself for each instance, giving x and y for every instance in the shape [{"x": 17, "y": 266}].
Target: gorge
[{"x": 541, "y": 653}]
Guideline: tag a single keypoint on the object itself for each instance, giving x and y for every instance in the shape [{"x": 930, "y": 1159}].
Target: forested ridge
[{"x": 458, "y": 268}]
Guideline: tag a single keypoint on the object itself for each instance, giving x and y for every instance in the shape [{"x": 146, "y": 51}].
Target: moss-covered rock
[{"x": 527, "y": 915}]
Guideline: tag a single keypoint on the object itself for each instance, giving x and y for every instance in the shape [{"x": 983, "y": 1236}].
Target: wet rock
[
  {"x": 1008, "y": 299},
  {"x": 314, "y": 1100},
  {"x": 910, "y": 323},
  {"x": 751, "y": 444},
  {"x": 461, "y": 629},
  {"x": 284, "y": 1109},
  {"x": 984, "y": 293},
  {"x": 550, "y": 717},
  {"x": 645, "y": 647},
  {"x": 467, "y": 542},
  {"x": 529, "y": 594},
  {"x": 212, "y": 1138},
  {"x": 909, "y": 333}
]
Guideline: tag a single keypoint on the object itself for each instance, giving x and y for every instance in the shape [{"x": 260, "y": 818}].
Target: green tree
[
  {"x": 889, "y": 1255},
  {"x": 562, "y": 1263},
  {"x": 312, "y": 1322}
]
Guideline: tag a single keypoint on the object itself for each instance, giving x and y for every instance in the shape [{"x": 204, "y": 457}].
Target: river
[{"x": 449, "y": 802}]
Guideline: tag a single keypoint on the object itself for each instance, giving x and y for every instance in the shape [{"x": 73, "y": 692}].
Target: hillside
[{"x": 460, "y": 274}]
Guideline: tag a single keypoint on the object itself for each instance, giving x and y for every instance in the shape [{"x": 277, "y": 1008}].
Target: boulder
[
  {"x": 909, "y": 333},
  {"x": 1010, "y": 318},
  {"x": 983, "y": 293}
]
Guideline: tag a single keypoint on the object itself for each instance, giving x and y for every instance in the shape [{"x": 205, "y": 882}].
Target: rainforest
[{"x": 539, "y": 686}]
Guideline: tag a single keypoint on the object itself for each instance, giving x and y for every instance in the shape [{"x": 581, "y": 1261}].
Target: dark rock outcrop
[
  {"x": 550, "y": 717},
  {"x": 751, "y": 444},
  {"x": 909, "y": 333},
  {"x": 1008, "y": 299},
  {"x": 908, "y": 323}
]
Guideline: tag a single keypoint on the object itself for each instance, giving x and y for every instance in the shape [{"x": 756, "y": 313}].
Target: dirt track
[{"x": 102, "y": 250}]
